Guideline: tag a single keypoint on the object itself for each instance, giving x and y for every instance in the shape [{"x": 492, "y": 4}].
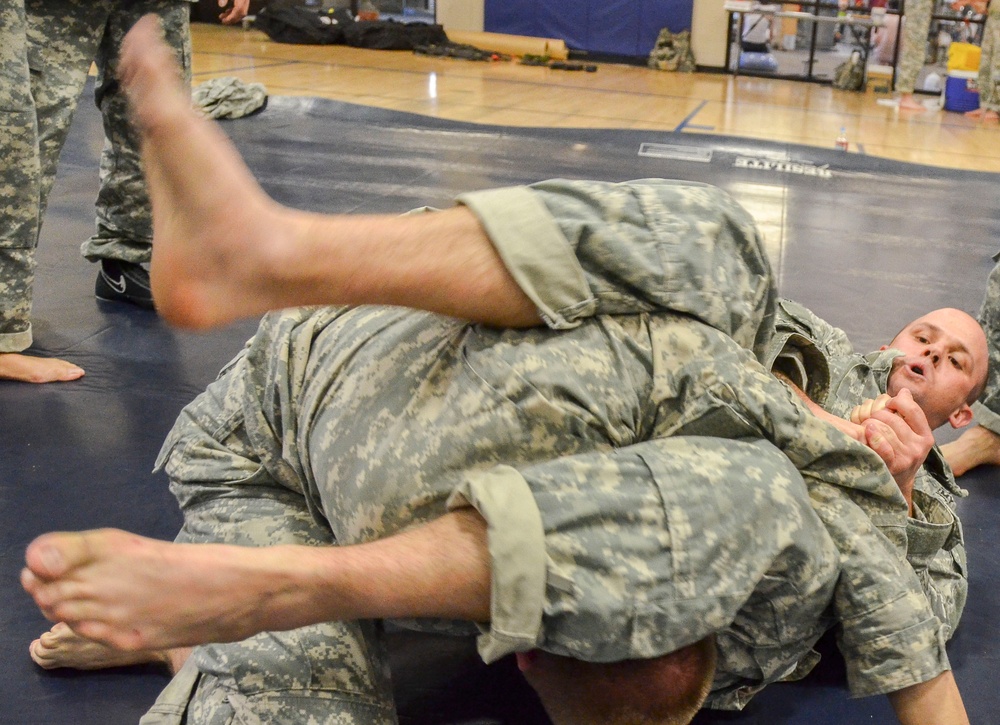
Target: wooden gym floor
[{"x": 616, "y": 96}]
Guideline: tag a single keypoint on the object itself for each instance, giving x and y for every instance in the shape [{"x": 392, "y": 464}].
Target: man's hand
[
  {"x": 897, "y": 430},
  {"x": 864, "y": 411},
  {"x": 236, "y": 13}
]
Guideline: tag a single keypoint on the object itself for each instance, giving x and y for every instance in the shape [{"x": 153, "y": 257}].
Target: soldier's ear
[{"x": 961, "y": 417}]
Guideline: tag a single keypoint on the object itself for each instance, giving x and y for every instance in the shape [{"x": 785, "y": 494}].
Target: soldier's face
[{"x": 944, "y": 359}]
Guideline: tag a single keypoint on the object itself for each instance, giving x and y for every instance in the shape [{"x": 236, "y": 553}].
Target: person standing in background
[
  {"x": 46, "y": 50},
  {"x": 989, "y": 63},
  {"x": 123, "y": 238},
  {"x": 916, "y": 25}
]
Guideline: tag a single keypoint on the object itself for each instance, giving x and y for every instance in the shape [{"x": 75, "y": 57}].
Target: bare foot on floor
[
  {"x": 132, "y": 593},
  {"x": 213, "y": 226},
  {"x": 908, "y": 103},
  {"x": 62, "y": 647},
  {"x": 29, "y": 369},
  {"x": 978, "y": 446}
]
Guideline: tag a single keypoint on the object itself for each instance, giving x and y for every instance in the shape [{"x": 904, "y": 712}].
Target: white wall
[
  {"x": 460, "y": 14},
  {"x": 708, "y": 33}
]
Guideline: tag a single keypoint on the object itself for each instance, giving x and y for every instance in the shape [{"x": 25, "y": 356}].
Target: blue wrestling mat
[{"x": 868, "y": 244}]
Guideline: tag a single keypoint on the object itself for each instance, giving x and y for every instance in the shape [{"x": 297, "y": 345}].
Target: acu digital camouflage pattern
[
  {"x": 672, "y": 51},
  {"x": 46, "y": 49},
  {"x": 989, "y": 62},
  {"x": 45, "y": 52},
  {"x": 839, "y": 379},
  {"x": 124, "y": 220},
  {"x": 645, "y": 445},
  {"x": 916, "y": 26},
  {"x": 987, "y": 409}
]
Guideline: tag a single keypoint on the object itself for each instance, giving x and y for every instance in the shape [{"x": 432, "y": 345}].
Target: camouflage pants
[
  {"x": 989, "y": 63},
  {"x": 987, "y": 409},
  {"x": 46, "y": 49},
  {"x": 913, "y": 55},
  {"x": 124, "y": 218},
  {"x": 344, "y": 426}
]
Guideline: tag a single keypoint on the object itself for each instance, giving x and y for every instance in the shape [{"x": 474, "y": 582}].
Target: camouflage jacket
[
  {"x": 820, "y": 358},
  {"x": 624, "y": 456}
]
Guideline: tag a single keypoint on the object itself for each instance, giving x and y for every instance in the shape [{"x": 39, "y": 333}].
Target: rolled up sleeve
[{"x": 517, "y": 556}]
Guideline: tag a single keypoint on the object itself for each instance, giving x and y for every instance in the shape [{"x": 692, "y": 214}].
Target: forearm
[
  {"x": 440, "y": 569},
  {"x": 936, "y": 701},
  {"x": 442, "y": 262}
]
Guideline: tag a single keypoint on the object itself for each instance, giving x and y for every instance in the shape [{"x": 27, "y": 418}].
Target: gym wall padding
[{"x": 615, "y": 27}]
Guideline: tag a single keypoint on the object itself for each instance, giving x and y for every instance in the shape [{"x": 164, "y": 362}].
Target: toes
[
  {"x": 51, "y": 556},
  {"x": 34, "y": 651},
  {"x": 45, "y": 557}
]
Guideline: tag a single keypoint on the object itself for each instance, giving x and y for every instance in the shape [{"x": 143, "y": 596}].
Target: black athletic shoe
[{"x": 120, "y": 281}]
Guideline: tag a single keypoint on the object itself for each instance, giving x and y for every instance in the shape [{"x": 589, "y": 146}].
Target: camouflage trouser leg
[
  {"x": 46, "y": 47},
  {"x": 19, "y": 180},
  {"x": 124, "y": 219},
  {"x": 989, "y": 64},
  {"x": 988, "y": 408},
  {"x": 916, "y": 25},
  {"x": 330, "y": 673}
]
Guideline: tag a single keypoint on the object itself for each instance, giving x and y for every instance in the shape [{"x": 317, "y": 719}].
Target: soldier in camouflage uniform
[
  {"x": 124, "y": 228},
  {"x": 989, "y": 64},
  {"x": 916, "y": 26},
  {"x": 605, "y": 457},
  {"x": 539, "y": 430},
  {"x": 819, "y": 359},
  {"x": 46, "y": 50}
]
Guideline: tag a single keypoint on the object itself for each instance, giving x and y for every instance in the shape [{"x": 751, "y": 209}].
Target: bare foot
[
  {"x": 28, "y": 369},
  {"x": 132, "y": 593},
  {"x": 978, "y": 446},
  {"x": 991, "y": 116},
  {"x": 908, "y": 103},
  {"x": 62, "y": 647},
  {"x": 212, "y": 223},
  {"x": 974, "y": 113}
]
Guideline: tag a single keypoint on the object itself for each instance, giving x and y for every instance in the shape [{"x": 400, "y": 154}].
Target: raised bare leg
[
  {"x": 222, "y": 249},
  {"x": 30, "y": 369},
  {"x": 977, "y": 446}
]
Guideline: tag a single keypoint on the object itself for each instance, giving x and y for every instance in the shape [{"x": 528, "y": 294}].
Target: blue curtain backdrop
[{"x": 620, "y": 27}]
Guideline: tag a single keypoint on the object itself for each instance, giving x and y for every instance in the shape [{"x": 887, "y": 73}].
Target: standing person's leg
[
  {"x": 989, "y": 67},
  {"x": 916, "y": 24},
  {"x": 124, "y": 235},
  {"x": 980, "y": 445},
  {"x": 45, "y": 52}
]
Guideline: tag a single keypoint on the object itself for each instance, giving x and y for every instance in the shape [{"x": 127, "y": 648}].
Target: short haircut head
[{"x": 666, "y": 690}]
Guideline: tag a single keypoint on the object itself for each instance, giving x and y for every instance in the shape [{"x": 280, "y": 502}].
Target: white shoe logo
[{"x": 117, "y": 285}]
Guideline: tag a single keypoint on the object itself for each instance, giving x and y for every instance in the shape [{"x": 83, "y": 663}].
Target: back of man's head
[{"x": 667, "y": 690}]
